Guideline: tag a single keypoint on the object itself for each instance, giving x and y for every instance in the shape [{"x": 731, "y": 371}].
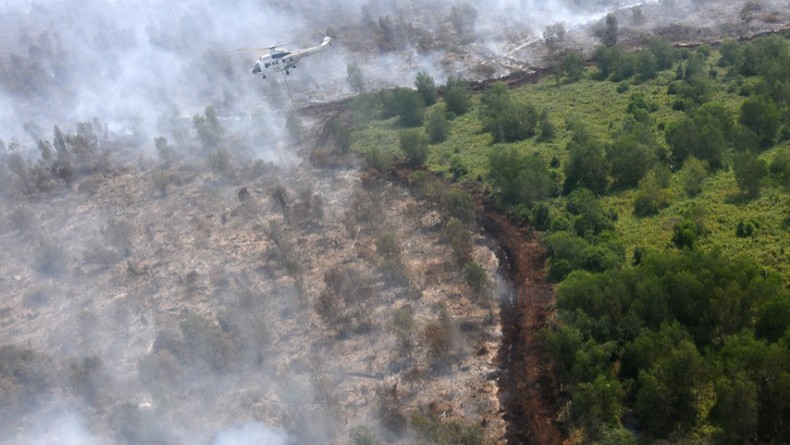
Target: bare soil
[{"x": 527, "y": 385}]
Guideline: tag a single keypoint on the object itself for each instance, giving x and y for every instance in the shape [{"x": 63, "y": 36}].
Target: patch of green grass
[
  {"x": 602, "y": 110},
  {"x": 381, "y": 135},
  {"x": 722, "y": 207}
]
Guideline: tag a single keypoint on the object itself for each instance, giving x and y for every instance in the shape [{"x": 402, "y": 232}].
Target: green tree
[
  {"x": 774, "y": 318},
  {"x": 736, "y": 409},
  {"x": 637, "y": 17},
  {"x": 458, "y": 204},
  {"x": 402, "y": 324},
  {"x": 646, "y": 65},
  {"x": 554, "y": 35},
  {"x": 761, "y": 115},
  {"x": 456, "y": 96},
  {"x": 566, "y": 252},
  {"x": 730, "y": 52},
  {"x": 681, "y": 136},
  {"x": 520, "y": 179},
  {"x": 597, "y": 404},
  {"x": 626, "y": 66},
  {"x": 607, "y": 60},
  {"x": 426, "y": 88},
  {"x": 684, "y": 235},
  {"x": 586, "y": 167},
  {"x": 663, "y": 51},
  {"x": 693, "y": 175},
  {"x": 437, "y": 126},
  {"x": 414, "y": 143},
  {"x": 341, "y": 134},
  {"x": 780, "y": 166},
  {"x": 478, "y": 281},
  {"x": 573, "y": 65},
  {"x": 749, "y": 173},
  {"x": 163, "y": 149},
  {"x": 505, "y": 120},
  {"x": 460, "y": 240},
  {"x": 409, "y": 107},
  {"x": 463, "y": 17},
  {"x": 590, "y": 217},
  {"x": 653, "y": 194},
  {"x": 629, "y": 160},
  {"x": 702, "y": 137},
  {"x": 561, "y": 343},
  {"x": 668, "y": 398},
  {"x": 547, "y": 128}
]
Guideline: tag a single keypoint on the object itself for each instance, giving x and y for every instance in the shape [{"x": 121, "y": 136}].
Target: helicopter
[{"x": 280, "y": 59}]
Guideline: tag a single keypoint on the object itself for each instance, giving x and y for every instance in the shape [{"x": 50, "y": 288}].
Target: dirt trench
[{"x": 526, "y": 383}]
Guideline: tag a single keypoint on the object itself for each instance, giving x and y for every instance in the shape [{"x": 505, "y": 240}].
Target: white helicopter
[{"x": 280, "y": 59}]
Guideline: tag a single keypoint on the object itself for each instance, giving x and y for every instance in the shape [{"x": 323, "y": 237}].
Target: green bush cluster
[
  {"x": 616, "y": 64},
  {"x": 507, "y": 120},
  {"x": 683, "y": 340}
]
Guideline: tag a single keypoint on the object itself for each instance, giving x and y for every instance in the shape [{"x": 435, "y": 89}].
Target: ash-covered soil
[{"x": 204, "y": 301}]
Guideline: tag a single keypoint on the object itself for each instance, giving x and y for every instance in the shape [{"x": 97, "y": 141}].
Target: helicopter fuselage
[{"x": 280, "y": 59}]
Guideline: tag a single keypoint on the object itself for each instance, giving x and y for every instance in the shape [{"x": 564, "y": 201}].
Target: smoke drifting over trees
[{"x": 134, "y": 64}]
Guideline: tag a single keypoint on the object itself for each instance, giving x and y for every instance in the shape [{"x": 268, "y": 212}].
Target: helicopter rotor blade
[{"x": 268, "y": 48}]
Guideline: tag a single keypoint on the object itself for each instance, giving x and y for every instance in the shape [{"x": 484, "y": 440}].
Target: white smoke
[
  {"x": 251, "y": 434},
  {"x": 128, "y": 62},
  {"x": 65, "y": 429}
]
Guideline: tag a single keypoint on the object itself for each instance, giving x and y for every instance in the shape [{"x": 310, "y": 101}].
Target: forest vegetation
[{"x": 660, "y": 180}]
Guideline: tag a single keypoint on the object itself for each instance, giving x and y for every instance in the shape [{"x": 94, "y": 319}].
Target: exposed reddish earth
[{"x": 526, "y": 382}]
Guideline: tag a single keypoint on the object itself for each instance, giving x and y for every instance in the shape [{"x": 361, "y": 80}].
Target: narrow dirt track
[{"x": 526, "y": 384}]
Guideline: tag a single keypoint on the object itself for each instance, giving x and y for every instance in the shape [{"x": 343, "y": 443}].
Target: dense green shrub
[
  {"x": 519, "y": 178},
  {"x": 426, "y": 88},
  {"x": 684, "y": 235},
  {"x": 749, "y": 173},
  {"x": 780, "y": 166},
  {"x": 653, "y": 194},
  {"x": 405, "y": 103},
  {"x": 414, "y": 143},
  {"x": 761, "y": 115},
  {"x": 586, "y": 166},
  {"x": 456, "y": 96},
  {"x": 629, "y": 160},
  {"x": 437, "y": 126},
  {"x": 506, "y": 120},
  {"x": 703, "y": 133}
]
